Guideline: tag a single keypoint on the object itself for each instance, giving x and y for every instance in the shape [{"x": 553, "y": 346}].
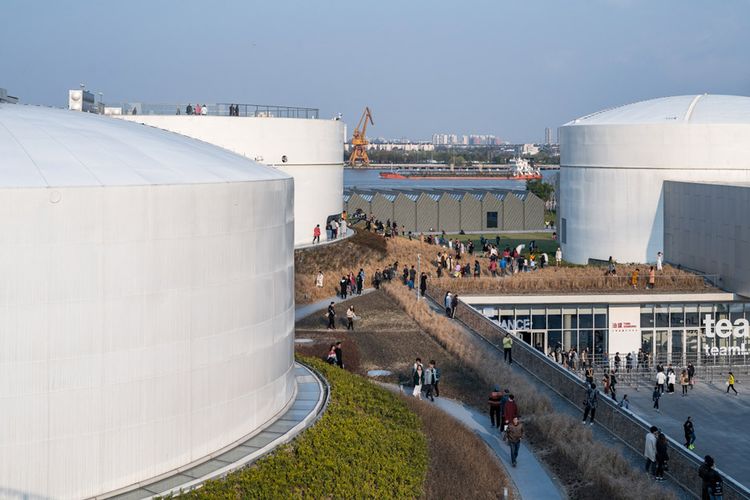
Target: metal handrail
[{"x": 218, "y": 109}]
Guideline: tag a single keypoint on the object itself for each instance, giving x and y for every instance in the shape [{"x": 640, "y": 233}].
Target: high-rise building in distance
[{"x": 547, "y": 135}]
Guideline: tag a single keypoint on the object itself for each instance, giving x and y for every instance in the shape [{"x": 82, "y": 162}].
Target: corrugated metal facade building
[{"x": 450, "y": 210}]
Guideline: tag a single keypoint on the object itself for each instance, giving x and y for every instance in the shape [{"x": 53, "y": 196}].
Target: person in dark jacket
[
  {"x": 343, "y": 285},
  {"x": 689, "y": 429},
  {"x": 331, "y": 317},
  {"x": 494, "y": 402},
  {"x": 339, "y": 355},
  {"x": 591, "y": 402},
  {"x": 713, "y": 485},
  {"x": 513, "y": 434},
  {"x": 423, "y": 284},
  {"x": 662, "y": 456},
  {"x": 454, "y": 305},
  {"x": 436, "y": 383}
]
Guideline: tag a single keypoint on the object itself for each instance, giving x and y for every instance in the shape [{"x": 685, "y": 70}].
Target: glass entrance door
[
  {"x": 536, "y": 338},
  {"x": 661, "y": 347},
  {"x": 676, "y": 349},
  {"x": 539, "y": 341}
]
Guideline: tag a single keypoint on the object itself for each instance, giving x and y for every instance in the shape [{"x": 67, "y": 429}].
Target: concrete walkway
[
  {"x": 719, "y": 419},
  {"x": 531, "y": 479},
  {"x": 305, "y": 310},
  {"x": 529, "y": 476},
  {"x": 349, "y": 234}
]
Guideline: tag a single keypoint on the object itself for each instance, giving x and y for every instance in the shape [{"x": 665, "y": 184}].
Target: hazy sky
[{"x": 508, "y": 68}]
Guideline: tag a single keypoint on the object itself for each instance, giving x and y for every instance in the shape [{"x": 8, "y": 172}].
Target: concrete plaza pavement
[{"x": 720, "y": 421}]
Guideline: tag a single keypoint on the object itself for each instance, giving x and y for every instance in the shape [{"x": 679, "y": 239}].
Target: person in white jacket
[
  {"x": 661, "y": 379},
  {"x": 558, "y": 256},
  {"x": 649, "y": 450}
]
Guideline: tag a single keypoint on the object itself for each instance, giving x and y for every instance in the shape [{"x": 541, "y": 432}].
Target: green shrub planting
[{"x": 367, "y": 444}]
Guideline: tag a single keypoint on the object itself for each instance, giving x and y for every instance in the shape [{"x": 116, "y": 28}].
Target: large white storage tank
[
  {"x": 146, "y": 301},
  {"x": 613, "y": 165},
  {"x": 310, "y": 150}
]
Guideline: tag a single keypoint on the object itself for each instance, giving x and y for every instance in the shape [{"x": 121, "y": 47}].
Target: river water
[{"x": 370, "y": 179}]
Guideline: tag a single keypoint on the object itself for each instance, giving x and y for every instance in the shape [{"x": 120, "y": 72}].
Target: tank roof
[
  {"x": 48, "y": 147},
  {"x": 694, "y": 109}
]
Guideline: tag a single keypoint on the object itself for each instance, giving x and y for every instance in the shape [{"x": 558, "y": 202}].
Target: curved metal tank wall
[
  {"x": 613, "y": 165},
  {"x": 314, "y": 151},
  {"x": 142, "y": 327}
]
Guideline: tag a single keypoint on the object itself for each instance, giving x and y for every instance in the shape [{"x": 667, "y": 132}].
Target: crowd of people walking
[{"x": 504, "y": 416}]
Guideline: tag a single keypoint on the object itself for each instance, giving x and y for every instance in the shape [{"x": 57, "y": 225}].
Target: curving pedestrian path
[
  {"x": 531, "y": 479},
  {"x": 303, "y": 311}
]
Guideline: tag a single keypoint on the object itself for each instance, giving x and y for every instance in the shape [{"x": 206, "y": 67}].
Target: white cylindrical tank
[
  {"x": 613, "y": 164},
  {"x": 146, "y": 301},
  {"x": 310, "y": 150}
]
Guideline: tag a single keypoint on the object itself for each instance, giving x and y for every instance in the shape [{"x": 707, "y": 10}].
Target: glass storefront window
[
  {"x": 570, "y": 339},
  {"x": 601, "y": 345},
  {"x": 538, "y": 322},
  {"x": 647, "y": 316},
  {"x": 647, "y": 341},
  {"x": 570, "y": 318},
  {"x": 661, "y": 345},
  {"x": 600, "y": 320},
  {"x": 662, "y": 316},
  {"x": 736, "y": 311},
  {"x": 676, "y": 317},
  {"x": 691, "y": 344},
  {"x": 676, "y": 358},
  {"x": 554, "y": 321},
  {"x": 585, "y": 339},
  {"x": 585, "y": 320},
  {"x": 691, "y": 316},
  {"x": 554, "y": 339},
  {"x": 722, "y": 311}
]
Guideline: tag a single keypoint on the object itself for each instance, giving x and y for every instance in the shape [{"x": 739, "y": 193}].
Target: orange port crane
[{"x": 360, "y": 142}]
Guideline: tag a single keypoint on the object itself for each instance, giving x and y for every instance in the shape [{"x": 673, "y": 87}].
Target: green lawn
[
  {"x": 543, "y": 240},
  {"x": 367, "y": 444}
]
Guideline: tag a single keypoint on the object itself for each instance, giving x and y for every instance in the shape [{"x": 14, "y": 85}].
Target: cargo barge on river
[{"x": 518, "y": 170}]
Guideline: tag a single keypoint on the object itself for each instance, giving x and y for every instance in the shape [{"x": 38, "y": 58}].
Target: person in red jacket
[
  {"x": 510, "y": 411},
  {"x": 316, "y": 234}
]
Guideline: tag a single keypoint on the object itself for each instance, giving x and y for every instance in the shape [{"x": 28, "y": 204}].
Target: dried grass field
[
  {"x": 370, "y": 252},
  {"x": 460, "y": 464}
]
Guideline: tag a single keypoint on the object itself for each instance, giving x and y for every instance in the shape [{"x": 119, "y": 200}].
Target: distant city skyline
[{"x": 510, "y": 69}]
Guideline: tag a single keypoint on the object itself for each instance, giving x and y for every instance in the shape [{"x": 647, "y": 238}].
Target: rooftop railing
[{"x": 217, "y": 109}]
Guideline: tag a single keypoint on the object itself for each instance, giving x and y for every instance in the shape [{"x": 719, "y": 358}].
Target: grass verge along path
[{"x": 368, "y": 444}]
